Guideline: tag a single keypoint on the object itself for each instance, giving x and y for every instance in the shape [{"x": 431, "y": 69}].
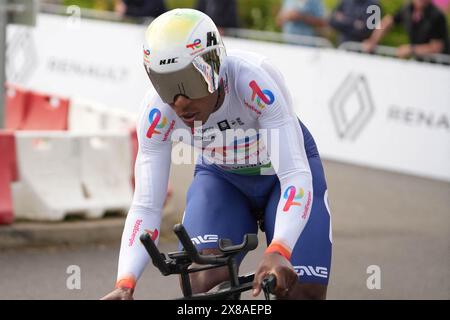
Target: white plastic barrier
[
  {"x": 118, "y": 120},
  {"x": 90, "y": 117},
  {"x": 61, "y": 174},
  {"x": 86, "y": 117},
  {"x": 106, "y": 170}
]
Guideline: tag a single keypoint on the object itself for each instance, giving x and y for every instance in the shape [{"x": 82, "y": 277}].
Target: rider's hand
[
  {"x": 279, "y": 266},
  {"x": 119, "y": 294}
]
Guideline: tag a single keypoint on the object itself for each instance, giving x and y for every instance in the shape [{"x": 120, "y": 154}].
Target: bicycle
[{"x": 179, "y": 262}]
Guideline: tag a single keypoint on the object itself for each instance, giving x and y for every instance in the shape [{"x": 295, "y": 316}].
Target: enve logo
[
  {"x": 266, "y": 96},
  {"x": 312, "y": 271},
  {"x": 155, "y": 119},
  {"x": 290, "y": 194},
  {"x": 207, "y": 238}
]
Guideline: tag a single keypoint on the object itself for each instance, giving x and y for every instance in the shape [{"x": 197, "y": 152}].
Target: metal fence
[
  {"x": 391, "y": 52},
  {"x": 279, "y": 37}
]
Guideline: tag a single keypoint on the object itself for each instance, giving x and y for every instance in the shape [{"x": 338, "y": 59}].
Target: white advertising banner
[
  {"x": 94, "y": 60},
  {"x": 373, "y": 111}
]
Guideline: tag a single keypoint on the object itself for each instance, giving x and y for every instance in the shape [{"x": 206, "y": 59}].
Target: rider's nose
[{"x": 181, "y": 103}]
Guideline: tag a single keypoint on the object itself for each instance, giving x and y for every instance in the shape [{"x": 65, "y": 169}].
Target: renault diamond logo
[
  {"x": 352, "y": 106},
  {"x": 21, "y": 56}
]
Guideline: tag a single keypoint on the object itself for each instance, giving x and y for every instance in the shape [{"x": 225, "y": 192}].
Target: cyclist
[{"x": 256, "y": 156}]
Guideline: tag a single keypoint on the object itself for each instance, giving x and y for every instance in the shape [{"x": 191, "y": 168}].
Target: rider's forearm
[
  {"x": 292, "y": 213},
  {"x": 133, "y": 257},
  {"x": 296, "y": 196},
  {"x": 151, "y": 179}
]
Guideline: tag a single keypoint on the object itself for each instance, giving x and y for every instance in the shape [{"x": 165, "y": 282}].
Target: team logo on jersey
[
  {"x": 263, "y": 97},
  {"x": 157, "y": 122},
  {"x": 291, "y": 194}
]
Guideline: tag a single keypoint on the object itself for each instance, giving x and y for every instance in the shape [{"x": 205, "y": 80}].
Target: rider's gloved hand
[
  {"x": 120, "y": 294},
  {"x": 282, "y": 269}
]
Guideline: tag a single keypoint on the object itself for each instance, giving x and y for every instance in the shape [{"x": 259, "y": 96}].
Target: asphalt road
[{"x": 397, "y": 222}]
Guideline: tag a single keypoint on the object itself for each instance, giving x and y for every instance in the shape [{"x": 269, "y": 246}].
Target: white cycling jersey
[{"x": 267, "y": 140}]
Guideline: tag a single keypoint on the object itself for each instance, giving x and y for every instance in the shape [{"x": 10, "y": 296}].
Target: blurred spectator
[
  {"x": 301, "y": 17},
  {"x": 140, "y": 8},
  {"x": 444, "y": 5},
  {"x": 350, "y": 19},
  {"x": 223, "y": 12},
  {"x": 426, "y": 26}
]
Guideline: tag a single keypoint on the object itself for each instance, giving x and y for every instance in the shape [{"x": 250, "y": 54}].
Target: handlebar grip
[
  {"x": 268, "y": 284},
  {"x": 182, "y": 235},
  {"x": 191, "y": 250},
  {"x": 155, "y": 254}
]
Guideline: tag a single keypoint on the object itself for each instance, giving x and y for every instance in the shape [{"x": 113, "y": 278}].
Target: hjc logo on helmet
[{"x": 168, "y": 61}]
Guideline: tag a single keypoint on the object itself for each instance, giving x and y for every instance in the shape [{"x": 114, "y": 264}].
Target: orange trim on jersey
[
  {"x": 280, "y": 248},
  {"x": 128, "y": 282}
]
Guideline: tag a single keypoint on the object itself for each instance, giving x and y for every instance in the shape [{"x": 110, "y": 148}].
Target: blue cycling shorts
[{"x": 221, "y": 204}]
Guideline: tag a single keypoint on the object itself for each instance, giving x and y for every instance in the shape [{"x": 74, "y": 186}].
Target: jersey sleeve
[
  {"x": 151, "y": 179},
  {"x": 263, "y": 89}
]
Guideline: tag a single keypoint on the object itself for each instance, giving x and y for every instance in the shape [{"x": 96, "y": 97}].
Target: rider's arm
[
  {"x": 287, "y": 153},
  {"x": 151, "y": 179}
]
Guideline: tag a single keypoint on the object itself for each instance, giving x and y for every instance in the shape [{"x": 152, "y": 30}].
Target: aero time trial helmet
[{"x": 183, "y": 52}]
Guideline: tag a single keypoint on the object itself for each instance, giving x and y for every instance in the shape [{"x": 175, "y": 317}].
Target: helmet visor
[{"x": 199, "y": 79}]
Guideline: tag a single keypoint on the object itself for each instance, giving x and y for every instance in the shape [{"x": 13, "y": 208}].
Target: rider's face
[{"x": 190, "y": 110}]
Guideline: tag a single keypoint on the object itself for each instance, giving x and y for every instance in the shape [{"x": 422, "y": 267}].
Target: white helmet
[{"x": 183, "y": 52}]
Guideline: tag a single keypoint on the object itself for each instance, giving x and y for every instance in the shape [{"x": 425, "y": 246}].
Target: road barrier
[
  {"x": 8, "y": 174},
  {"x": 64, "y": 174}
]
